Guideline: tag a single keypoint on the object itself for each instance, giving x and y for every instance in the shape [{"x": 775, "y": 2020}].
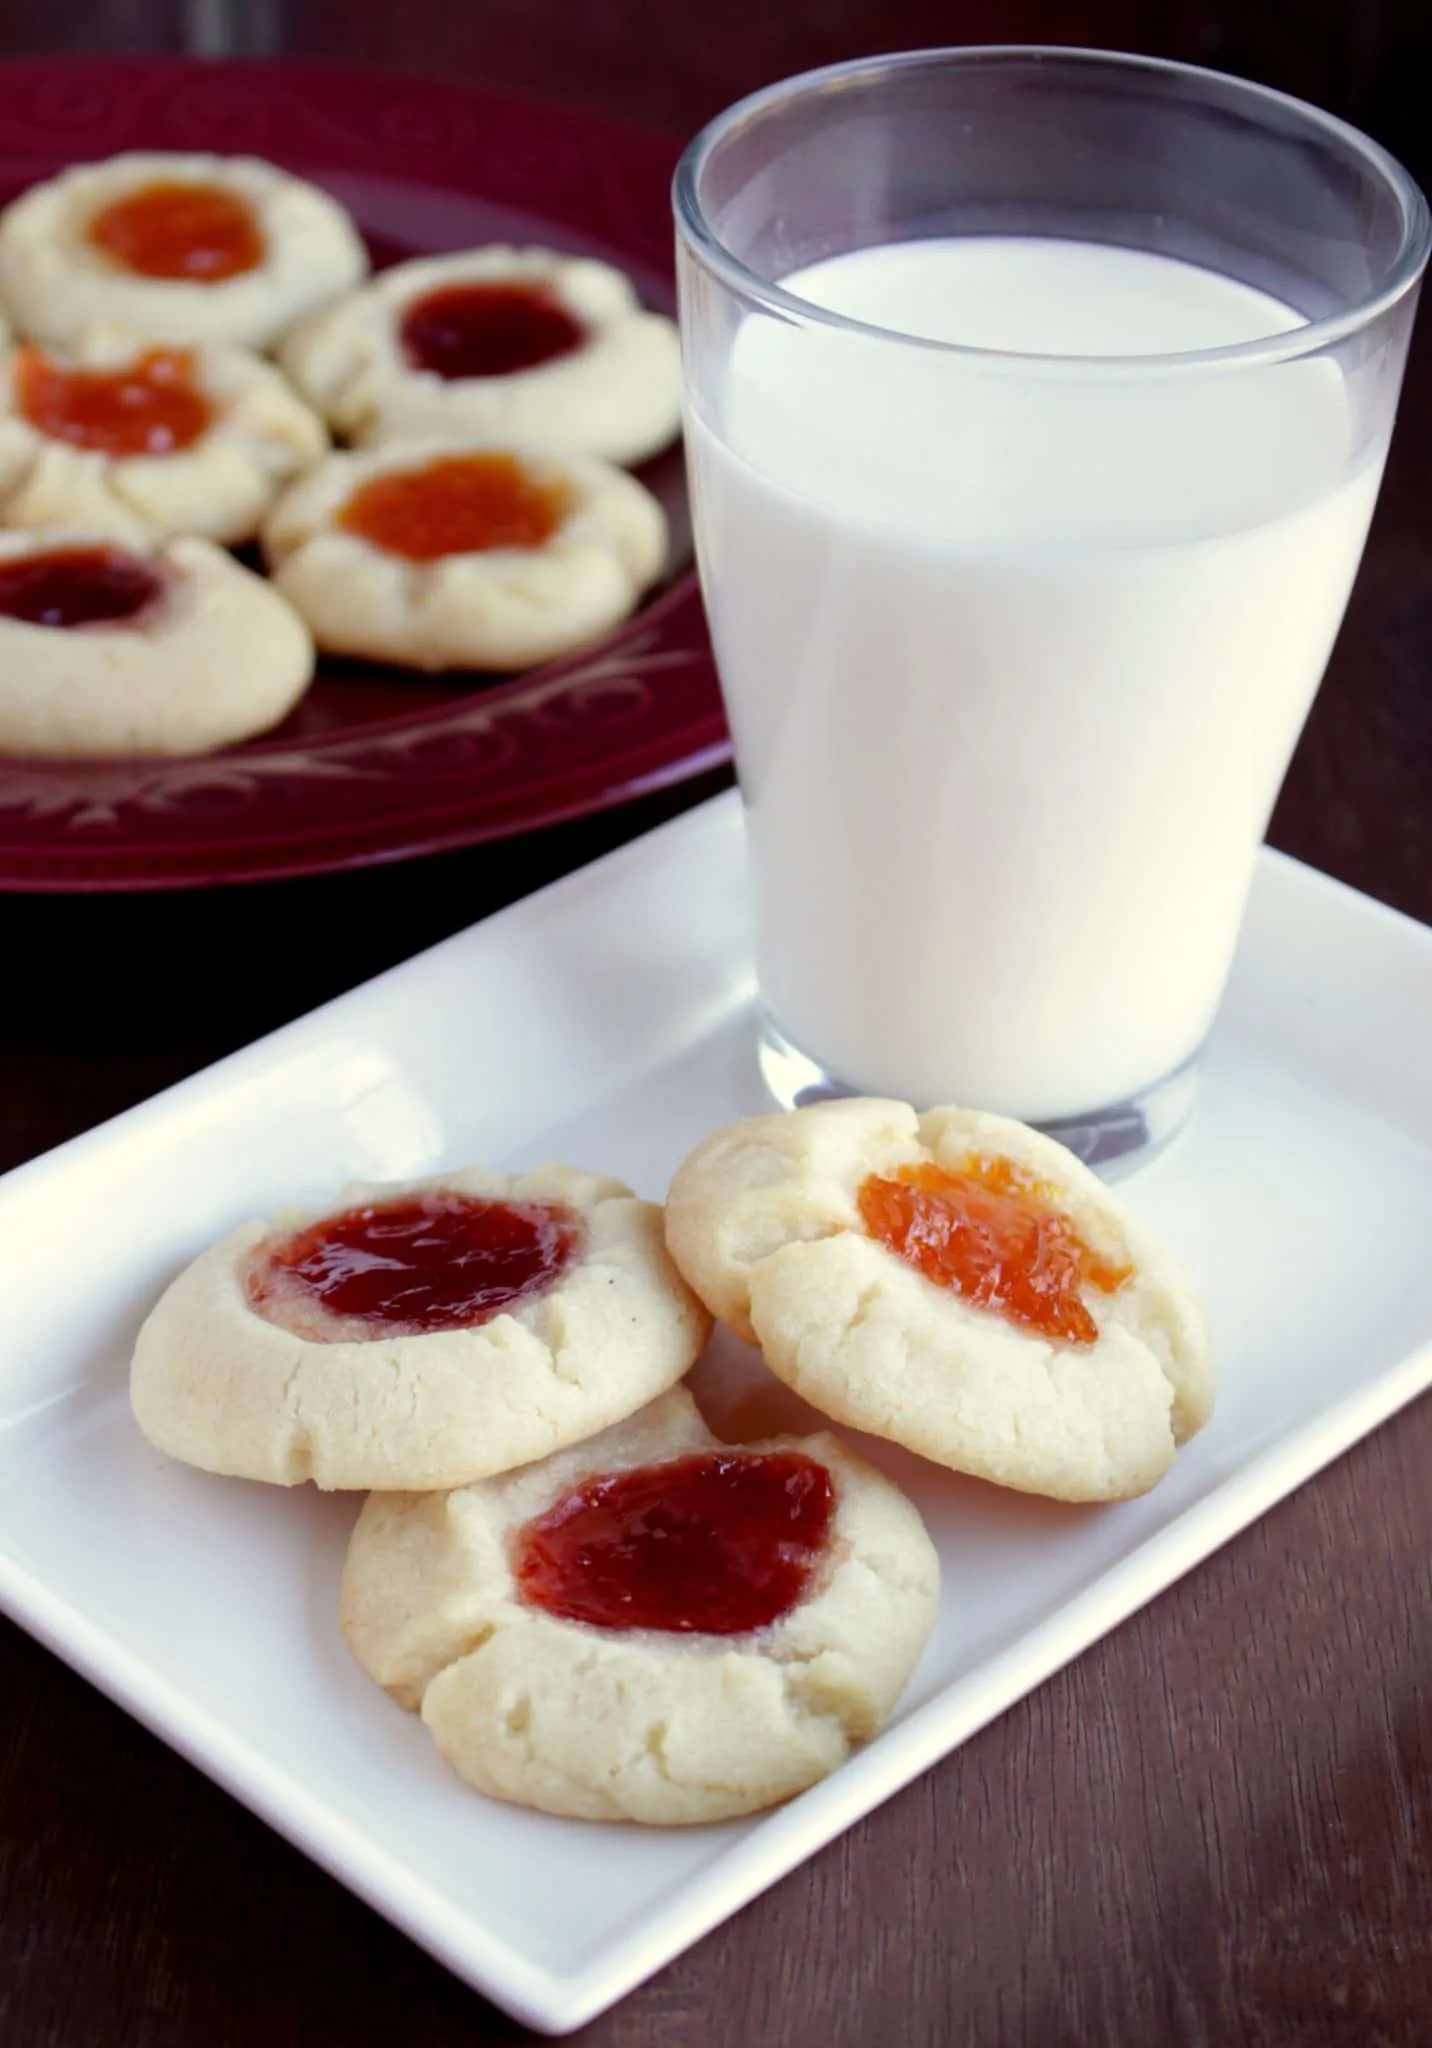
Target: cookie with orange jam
[
  {"x": 176, "y": 247},
  {"x": 654, "y": 1626},
  {"x": 955, "y": 1282},
  {"x": 145, "y": 442},
  {"x": 464, "y": 555},
  {"x": 417, "y": 1335},
  {"x": 522, "y": 344}
]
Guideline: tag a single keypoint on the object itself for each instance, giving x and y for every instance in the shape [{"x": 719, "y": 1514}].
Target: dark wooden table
[{"x": 1214, "y": 1829}]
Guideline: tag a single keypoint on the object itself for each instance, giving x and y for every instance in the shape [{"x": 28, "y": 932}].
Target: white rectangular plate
[{"x": 609, "y": 1021}]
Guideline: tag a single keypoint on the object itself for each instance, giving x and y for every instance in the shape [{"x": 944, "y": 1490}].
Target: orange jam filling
[
  {"x": 992, "y": 1234},
  {"x": 150, "y": 407},
  {"x": 200, "y": 233},
  {"x": 456, "y": 505}
]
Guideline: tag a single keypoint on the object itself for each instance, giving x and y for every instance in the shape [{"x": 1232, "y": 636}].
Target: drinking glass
[{"x": 1037, "y": 403}]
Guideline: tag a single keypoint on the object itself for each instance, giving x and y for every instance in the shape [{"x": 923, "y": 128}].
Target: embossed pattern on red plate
[{"x": 378, "y": 764}]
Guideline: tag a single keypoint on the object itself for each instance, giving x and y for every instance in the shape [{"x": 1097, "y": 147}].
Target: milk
[{"x": 1015, "y": 656}]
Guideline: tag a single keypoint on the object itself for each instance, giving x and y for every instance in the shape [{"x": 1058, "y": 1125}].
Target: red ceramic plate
[{"x": 377, "y": 764}]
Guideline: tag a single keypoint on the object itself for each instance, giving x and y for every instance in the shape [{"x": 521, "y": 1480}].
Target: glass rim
[{"x": 1289, "y": 344}]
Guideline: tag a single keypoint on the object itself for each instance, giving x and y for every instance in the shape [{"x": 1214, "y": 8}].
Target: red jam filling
[
  {"x": 150, "y": 407},
  {"x": 714, "y": 1544},
  {"x": 992, "y": 1234},
  {"x": 199, "y": 233},
  {"x": 487, "y": 329},
  {"x": 435, "y": 1261},
  {"x": 78, "y": 587},
  {"x": 455, "y": 505}
]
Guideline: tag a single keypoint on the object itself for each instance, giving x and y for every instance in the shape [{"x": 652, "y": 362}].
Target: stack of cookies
[
  {"x": 482, "y": 520},
  {"x": 597, "y": 1607}
]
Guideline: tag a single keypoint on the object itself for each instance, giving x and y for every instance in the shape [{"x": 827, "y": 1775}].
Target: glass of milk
[{"x": 1037, "y": 406}]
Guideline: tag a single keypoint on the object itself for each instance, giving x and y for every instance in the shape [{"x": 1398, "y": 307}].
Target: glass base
[{"x": 1114, "y": 1140}]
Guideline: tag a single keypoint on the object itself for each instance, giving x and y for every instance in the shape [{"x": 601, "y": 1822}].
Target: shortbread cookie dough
[
  {"x": 177, "y": 248},
  {"x": 521, "y": 344},
  {"x": 468, "y": 555},
  {"x": 146, "y": 442},
  {"x": 651, "y": 1626},
  {"x": 420, "y": 1335},
  {"x": 955, "y": 1282},
  {"x": 170, "y": 649}
]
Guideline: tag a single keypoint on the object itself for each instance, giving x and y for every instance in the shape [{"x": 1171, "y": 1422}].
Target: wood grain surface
[{"x": 1213, "y": 1829}]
